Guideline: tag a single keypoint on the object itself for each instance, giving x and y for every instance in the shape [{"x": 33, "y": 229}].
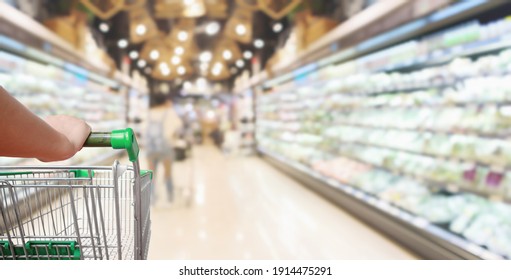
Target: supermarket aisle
[{"x": 243, "y": 208}]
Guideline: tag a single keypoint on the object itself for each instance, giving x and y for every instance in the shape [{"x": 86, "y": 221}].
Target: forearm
[{"x": 26, "y": 135}]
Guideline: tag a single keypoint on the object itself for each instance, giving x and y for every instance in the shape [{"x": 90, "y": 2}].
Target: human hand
[{"x": 74, "y": 132}]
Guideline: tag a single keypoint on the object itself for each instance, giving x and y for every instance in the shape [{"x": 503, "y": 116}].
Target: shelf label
[
  {"x": 11, "y": 44},
  {"x": 453, "y": 188},
  {"x": 420, "y": 222},
  {"x": 496, "y": 198},
  {"x": 359, "y": 194},
  {"x": 371, "y": 200}
]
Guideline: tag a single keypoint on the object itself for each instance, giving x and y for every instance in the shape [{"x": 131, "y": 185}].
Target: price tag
[
  {"x": 405, "y": 216},
  {"x": 332, "y": 182},
  {"x": 457, "y": 49},
  {"x": 350, "y": 190},
  {"x": 359, "y": 194},
  {"x": 475, "y": 249},
  {"x": 372, "y": 200},
  {"x": 498, "y": 169},
  {"x": 421, "y": 59},
  {"x": 453, "y": 188},
  {"x": 394, "y": 211},
  {"x": 437, "y": 53},
  {"x": 420, "y": 222},
  {"x": 496, "y": 198}
]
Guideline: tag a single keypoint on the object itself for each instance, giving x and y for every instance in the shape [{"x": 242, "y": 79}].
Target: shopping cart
[{"x": 77, "y": 213}]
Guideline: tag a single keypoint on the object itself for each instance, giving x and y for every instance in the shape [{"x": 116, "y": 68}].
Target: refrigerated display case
[
  {"x": 48, "y": 76},
  {"x": 412, "y": 138}
]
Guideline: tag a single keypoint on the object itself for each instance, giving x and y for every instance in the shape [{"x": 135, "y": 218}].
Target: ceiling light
[
  {"x": 217, "y": 69},
  {"x": 187, "y": 85},
  {"x": 241, "y": 29},
  {"x": 258, "y": 43},
  {"x": 141, "y": 63},
  {"x": 179, "y": 50},
  {"x": 165, "y": 71},
  {"x": 212, "y": 28},
  {"x": 133, "y": 54},
  {"x": 154, "y": 54},
  {"x": 216, "y": 72},
  {"x": 194, "y": 9},
  {"x": 164, "y": 88},
  {"x": 181, "y": 70},
  {"x": 175, "y": 60},
  {"x": 277, "y": 27},
  {"x": 201, "y": 82},
  {"x": 141, "y": 29},
  {"x": 240, "y": 63},
  {"x": 122, "y": 43},
  {"x": 104, "y": 27},
  {"x": 182, "y": 36},
  {"x": 164, "y": 65},
  {"x": 210, "y": 114},
  {"x": 247, "y": 54},
  {"x": 227, "y": 54},
  {"x": 188, "y": 2},
  {"x": 205, "y": 56},
  {"x": 218, "y": 65}
]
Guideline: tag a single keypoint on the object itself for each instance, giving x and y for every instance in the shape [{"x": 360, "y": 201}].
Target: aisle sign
[{"x": 10, "y": 62}]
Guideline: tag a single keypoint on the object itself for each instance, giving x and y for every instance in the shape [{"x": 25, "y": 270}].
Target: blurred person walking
[
  {"x": 231, "y": 143},
  {"x": 161, "y": 131}
]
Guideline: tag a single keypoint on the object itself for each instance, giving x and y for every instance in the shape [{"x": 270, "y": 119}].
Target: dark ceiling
[{"x": 261, "y": 28}]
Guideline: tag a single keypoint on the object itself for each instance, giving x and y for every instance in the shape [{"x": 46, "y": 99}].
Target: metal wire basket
[{"x": 77, "y": 213}]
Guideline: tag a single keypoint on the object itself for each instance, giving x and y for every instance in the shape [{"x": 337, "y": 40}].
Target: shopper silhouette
[
  {"x": 161, "y": 131},
  {"x": 26, "y": 135}
]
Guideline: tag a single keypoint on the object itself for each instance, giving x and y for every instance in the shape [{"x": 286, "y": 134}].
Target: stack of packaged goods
[{"x": 423, "y": 126}]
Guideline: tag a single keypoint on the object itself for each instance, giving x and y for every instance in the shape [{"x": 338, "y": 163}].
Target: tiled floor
[{"x": 243, "y": 208}]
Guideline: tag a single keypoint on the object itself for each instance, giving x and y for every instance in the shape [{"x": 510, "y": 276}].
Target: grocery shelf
[
  {"x": 362, "y": 142},
  {"x": 506, "y": 135},
  {"x": 429, "y": 154},
  {"x": 451, "y": 187},
  {"x": 423, "y": 237},
  {"x": 430, "y": 182},
  {"x": 459, "y": 159},
  {"x": 25, "y": 36},
  {"x": 379, "y": 92},
  {"x": 332, "y": 49},
  {"x": 441, "y": 57},
  {"x": 420, "y": 129},
  {"x": 423, "y": 123}
]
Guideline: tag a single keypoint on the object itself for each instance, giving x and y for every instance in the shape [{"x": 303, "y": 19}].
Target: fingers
[{"x": 73, "y": 129}]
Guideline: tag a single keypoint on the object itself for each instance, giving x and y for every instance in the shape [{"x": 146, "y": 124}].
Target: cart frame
[{"x": 77, "y": 212}]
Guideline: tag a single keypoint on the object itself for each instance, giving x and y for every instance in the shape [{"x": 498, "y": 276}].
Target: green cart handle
[{"x": 117, "y": 139}]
